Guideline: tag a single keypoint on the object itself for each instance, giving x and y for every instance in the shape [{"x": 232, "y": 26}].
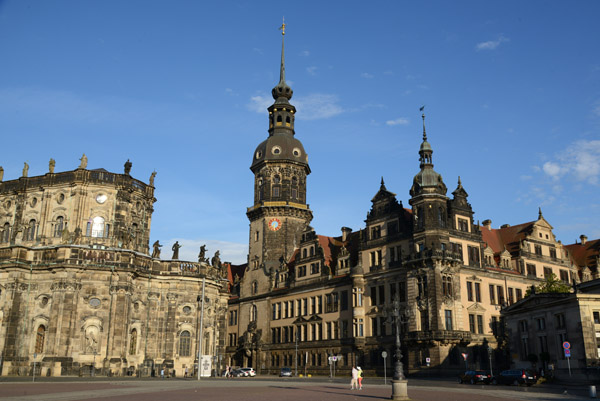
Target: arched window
[
  {"x": 441, "y": 217},
  {"x": 254, "y": 287},
  {"x": 184, "y": 343},
  {"x": 39, "y": 339},
  {"x": 447, "y": 285},
  {"x": 6, "y": 232},
  {"x": 30, "y": 233},
  {"x": 58, "y": 227},
  {"x": 97, "y": 227},
  {"x": 133, "y": 342},
  {"x": 279, "y": 120}
]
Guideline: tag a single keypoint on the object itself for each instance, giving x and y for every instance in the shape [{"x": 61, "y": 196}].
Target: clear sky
[{"x": 511, "y": 88}]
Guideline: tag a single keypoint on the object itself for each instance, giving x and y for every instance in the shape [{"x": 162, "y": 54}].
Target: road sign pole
[
  {"x": 384, "y": 355},
  {"x": 569, "y": 364}
]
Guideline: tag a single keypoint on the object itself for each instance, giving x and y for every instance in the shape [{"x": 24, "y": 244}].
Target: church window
[
  {"x": 30, "y": 233},
  {"x": 422, "y": 286},
  {"x": 254, "y": 288},
  {"x": 97, "y": 227},
  {"x": 184, "y": 343},
  {"x": 133, "y": 342},
  {"x": 39, "y": 339},
  {"x": 58, "y": 227},
  {"x": 6, "y": 232}
]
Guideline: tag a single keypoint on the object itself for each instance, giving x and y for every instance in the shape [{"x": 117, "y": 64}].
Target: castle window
[
  {"x": 275, "y": 192},
  {"x": 304, "y": 253},
  {"x": 276, "y": 179},
  {"x": 254, "y": 288},
  {"x": 133, "y": 342},
  {"x": 441, "y": 217},
  {"x": 538, "y": 250},
  {"x": 463, "y": 225},
  {"x": 58, "y": 227},
  {"x": 279, "y": 120},
  {"x": 287, "y": 121},
  {"x": 448, "y": 318},
  {"x": 184, "y": 343},
  {"x": 422, "y": 286},
  {"x": 39, "y": 339},
  {"x": 294, "y": 193},
  {"x": 447, "y": 286}
]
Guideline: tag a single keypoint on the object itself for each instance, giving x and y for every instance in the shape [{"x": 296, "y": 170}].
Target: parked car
[
  {"x": 248, "y": 372},
  {"x": 516, "y": 377},
  {"x": 285, "y": 372},
  {"x": 238, "y": 373},
  {"x": 475, "y": 377}
]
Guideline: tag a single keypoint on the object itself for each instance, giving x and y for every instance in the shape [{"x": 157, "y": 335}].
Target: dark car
[
  {"x": 475, "y": 377},
  {"x": 285, "y": 372},
  {"x": 516, "y": 377},
  {"x": 238, "y": 373}
]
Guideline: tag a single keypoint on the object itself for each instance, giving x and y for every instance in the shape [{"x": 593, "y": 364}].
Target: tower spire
[{"x": 282, "y": 93}]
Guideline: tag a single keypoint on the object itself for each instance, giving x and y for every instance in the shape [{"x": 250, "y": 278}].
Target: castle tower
[{"x": 280, "y": 212}]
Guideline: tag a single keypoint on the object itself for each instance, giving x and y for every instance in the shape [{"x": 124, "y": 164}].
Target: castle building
[
  {"x": 79, "y": 292},
  {"x": 307, "y": 301}
]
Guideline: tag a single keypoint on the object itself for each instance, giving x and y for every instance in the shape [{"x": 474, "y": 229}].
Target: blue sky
[{"x": 511, "y": 88}]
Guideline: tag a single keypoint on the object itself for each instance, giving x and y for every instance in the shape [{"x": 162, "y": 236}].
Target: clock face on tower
[{"x": 274, "y": 224}]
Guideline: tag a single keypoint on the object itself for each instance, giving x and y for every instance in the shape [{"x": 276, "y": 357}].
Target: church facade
[
  {"x": 79, "y": 292},
  {"x": 309, "y": 301}
]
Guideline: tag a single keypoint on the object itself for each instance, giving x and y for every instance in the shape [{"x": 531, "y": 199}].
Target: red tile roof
[{"x": 585, "y": 254}]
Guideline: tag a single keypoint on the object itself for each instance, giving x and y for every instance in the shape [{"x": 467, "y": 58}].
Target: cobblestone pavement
[{"x": 255, "y": 390}]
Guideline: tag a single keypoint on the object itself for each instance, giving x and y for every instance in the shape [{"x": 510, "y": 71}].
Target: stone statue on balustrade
[
  {"x": 175, "y": 250},
  {"x": 127, "y": 167},
  {"x": 156, "y": 250},
  {"x": 216, "y": 260},
  {"x": 152, "y": 176},
  {"x": 51, "y": 165},
  {"x": 202, "y": 255},
  {"x": 25, "y": 169},
  {"x": 1, "y": 173},
  {"x": 84, "y": 161}
]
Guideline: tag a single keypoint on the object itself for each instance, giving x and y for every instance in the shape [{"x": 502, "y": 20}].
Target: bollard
[{"x": 592, "y": 391}]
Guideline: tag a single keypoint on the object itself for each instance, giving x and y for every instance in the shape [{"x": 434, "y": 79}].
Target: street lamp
[{"x": 399, "y": 382}]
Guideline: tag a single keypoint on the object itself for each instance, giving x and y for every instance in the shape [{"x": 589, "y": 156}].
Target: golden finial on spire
[{"x": 282, "y": 27}]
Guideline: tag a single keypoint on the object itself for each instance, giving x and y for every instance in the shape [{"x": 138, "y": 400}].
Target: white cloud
[
  {"x": 491, "y": 44},
  {"x": 312, "y": 107},
  {"x": 580, "y": 160},
  {"x": 367, "y": 75},
  {"x": 317, "y": 106},
  {"x": 312, "y": 70},
  {"x": 260, "y": 103},
  {"x": 398, "y": 121},
  {"x": 305, "y": 53}
]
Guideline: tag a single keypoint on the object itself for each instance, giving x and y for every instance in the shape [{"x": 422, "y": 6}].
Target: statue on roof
[
  {"x": 127, "y": 167},
  {"x": 202, "y": 254},
  {"x": 25, "y": 169},
  {"x": 51, "y": 165},
  {"x": 156, "y": 250},
  {"x": 151, "y": 181},
  {"x": 1, "y": 173},
  {"x": 216, "y": 260},
  {"x": 84, "y": 161},
  {"x": 175, "y": 250}
]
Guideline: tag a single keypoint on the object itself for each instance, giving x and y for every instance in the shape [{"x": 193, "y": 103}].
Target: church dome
[{"x": 279, "y": 147}]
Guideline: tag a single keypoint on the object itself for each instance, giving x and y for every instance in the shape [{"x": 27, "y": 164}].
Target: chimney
[
  {"x": 345, "y": 232},
  {"x": 583, "y": 239},
  {"x": 487, "y": 224},
  {"x": 505, "y": 226}
]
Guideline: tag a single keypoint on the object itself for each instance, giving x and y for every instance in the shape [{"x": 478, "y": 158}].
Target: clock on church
[{"x": 274, "y": 224}]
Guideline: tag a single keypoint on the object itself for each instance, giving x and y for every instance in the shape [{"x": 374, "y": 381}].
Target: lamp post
[{"x": 399, "y": 382}]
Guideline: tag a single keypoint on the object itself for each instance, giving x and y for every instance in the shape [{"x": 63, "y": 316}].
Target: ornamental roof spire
[{"x": 282, "y": 93}]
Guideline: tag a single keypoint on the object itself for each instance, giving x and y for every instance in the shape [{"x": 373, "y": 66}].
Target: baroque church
[
  {"x": 308, "y": 301},
  {"x": 80, "y": 294}
]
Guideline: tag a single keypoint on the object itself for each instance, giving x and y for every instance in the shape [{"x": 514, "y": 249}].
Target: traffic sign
[
  {"x": 465, "y": 356},
  {"x": 567, "y": 353},
  {"x": 566, "y": 345}
]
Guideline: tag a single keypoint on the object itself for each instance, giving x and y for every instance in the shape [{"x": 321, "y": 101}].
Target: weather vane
[{"x": 282, "y": 27}]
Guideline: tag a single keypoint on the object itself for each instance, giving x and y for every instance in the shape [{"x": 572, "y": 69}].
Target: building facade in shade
[
  {"x": 303, "y": 297},
  {"x": 79, "y": 291},
  {"x": 539, "y": 325}
]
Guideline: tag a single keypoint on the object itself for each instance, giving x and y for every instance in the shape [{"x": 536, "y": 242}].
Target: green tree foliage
[{"x": 551, "y": 285}]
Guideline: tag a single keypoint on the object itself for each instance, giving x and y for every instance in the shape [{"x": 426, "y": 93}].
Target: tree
[{"x": 551, "y": 285}]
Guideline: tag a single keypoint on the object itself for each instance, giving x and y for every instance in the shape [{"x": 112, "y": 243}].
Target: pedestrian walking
[
  {"x": 185, "y": 374},
  {"x": 162, "y": 373},
  {"x": 360, "y": 377},
  {"x": 354, "y": 381}
]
